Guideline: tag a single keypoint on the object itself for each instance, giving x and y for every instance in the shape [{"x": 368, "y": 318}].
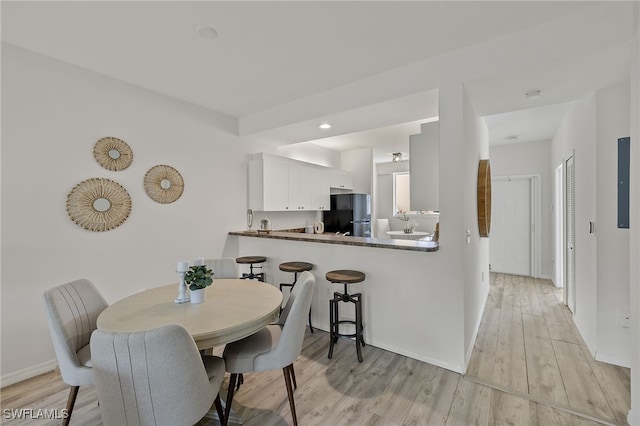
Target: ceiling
[{"x": 270, "y": 54}]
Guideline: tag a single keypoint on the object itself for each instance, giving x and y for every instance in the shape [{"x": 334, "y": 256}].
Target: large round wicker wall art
[
  {"x": 163, "y": 184},
  {"x": 98, "y": 204},
  {"x": 113, "y": 154}
]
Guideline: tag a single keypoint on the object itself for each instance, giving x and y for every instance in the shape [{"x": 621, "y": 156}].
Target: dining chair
[
  {"x": 154, "y": 377},
  {"x": 72, "y": 310},
  {"x": 225, "y": 267},
  {"x": 275, "y": 346},
  {"x": 382, "y": 227}
]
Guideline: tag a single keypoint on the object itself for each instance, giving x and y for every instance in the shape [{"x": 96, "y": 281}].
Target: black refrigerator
[{"x": 349, "y": 213}]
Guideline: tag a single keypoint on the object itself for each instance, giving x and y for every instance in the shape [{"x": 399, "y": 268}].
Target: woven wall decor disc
[
  {"x": 163, "y": 184},
  {"x": 113, "y": 154},
  {"x": 98, "y": 204}
]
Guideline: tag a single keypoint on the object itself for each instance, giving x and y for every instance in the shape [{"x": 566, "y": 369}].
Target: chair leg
[
  {"x": 71, "y": 401},
  {"x": 227, "y": 408},
  {"x": 287, "y": 382},
  {"x": 240, "y": 381},
  {"x": 293, "y": 377},
  {"x": 219, "y": 409}
]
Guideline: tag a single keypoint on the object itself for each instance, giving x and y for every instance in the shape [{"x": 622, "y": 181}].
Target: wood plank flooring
[
  {"x": 535, "y": 350},
  {"x": 525, "y": 370}
]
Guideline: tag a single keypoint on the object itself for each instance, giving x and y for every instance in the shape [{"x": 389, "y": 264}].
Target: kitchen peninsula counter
[
  {"x": 410, "y": 305},
  {"x": 330, "y": 238}
]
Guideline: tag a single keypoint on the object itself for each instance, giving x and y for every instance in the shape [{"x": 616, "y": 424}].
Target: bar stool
[
  {"x": 296, "y": 268},
  {"x": 250, "y": 260},
  {"x": 346, "y": 277}
]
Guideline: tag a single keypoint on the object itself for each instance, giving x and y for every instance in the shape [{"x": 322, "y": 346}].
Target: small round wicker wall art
[
  {"x": 98, "y": 204},
  {"x": 163, "y": 184},
  {"x": 113, "y": 154}
]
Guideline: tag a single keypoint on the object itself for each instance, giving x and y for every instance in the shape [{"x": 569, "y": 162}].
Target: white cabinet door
[
  {"x": 320, "y": 198},
  {"x": 340, "y": 179},
  {"x": 268, "y": 185}
]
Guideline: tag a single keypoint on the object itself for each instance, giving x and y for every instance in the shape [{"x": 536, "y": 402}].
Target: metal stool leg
[
  {"x": 332, "y": 302},
  {"x": 358, "y": 333}
]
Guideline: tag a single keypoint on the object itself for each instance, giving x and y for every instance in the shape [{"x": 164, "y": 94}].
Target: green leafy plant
[{"x": 198, "y": 277}]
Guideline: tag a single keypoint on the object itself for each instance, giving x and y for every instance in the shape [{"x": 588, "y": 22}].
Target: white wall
[
  {"x": 359, "y": 162},
  {"x": 52, "y": 116},
  {"x": 634, "y": 238},
  {"x": 425, "y": 162},
  {"x": 531, "y": 158},
  {"x": 591, "y": 128},
  {"x": 310, "y": 153},
  {"x": 577, "y": 133},
  {"x": 613, "y": 345},
  {"x": 476, "y": 251}
]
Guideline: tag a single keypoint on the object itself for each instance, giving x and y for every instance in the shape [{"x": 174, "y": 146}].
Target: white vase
[{"x": 197, "y": 296}]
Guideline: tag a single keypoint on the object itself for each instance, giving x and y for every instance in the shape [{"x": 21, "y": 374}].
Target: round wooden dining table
[
  {"x": 415, "y": 235},
  {"x": 233, "y": 309}
]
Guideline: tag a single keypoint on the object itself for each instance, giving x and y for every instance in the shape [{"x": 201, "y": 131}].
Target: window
[{"x": 401, "y": 192}]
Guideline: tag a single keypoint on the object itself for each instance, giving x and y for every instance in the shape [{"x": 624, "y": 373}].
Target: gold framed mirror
[
  {"x": 98, "y": 204},
  {"x": 163, "y": 184},
  {"x": 113, "y": 154}
]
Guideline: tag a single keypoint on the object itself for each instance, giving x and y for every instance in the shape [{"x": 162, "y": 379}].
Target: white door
[{"x": 510, "y": 242}]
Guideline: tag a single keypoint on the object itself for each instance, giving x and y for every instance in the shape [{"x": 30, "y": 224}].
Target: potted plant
[
  {"x": 409, "y": 224},
  {"x": 197, "y": 279}
]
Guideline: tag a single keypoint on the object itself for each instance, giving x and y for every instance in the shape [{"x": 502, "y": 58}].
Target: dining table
[
  {"x": 232, "y": 309},
  {"x": 415, "y": 235}
]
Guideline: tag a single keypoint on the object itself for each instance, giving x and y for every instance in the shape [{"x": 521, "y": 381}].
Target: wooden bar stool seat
[
  {"x": 251, "y": 260},
  {"x": 345, "y": 277},
  {"x": 296, "y": 268}
]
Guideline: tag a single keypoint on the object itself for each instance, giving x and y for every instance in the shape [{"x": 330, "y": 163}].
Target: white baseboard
[
  {"x": 633, "y": 418},
  {"x": 612, "y": 360},
  {"x": 27, "y": 373}
]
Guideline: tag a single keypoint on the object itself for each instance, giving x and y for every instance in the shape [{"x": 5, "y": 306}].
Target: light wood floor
[
  {"x": 528, "y": 344},
  {"x": 540, "y": 374}
]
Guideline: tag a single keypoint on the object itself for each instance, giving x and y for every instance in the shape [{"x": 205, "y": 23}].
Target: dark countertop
[{"x": 330, "y": 238}]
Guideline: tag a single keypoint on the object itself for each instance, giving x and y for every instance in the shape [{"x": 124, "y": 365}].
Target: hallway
[{"x": 528, "y": 346}]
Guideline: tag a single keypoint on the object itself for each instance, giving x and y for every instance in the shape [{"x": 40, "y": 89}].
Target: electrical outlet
[{"x": 624, "y": 318}]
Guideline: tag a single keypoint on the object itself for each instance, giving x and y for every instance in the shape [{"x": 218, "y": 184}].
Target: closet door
[{"x": 570, "y": 288}]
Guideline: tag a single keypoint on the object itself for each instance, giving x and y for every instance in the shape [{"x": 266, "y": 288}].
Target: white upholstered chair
[
  {"x": 382, "y": 227},
  {"x": 225, "y": 267},
  {"x": 73, "y": 309},
  {"x": 275, "y": 346},
  {"x": 154, "y": 377}
]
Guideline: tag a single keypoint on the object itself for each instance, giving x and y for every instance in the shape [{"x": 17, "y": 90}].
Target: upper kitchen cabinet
[
  {"x": 281, "y": 184},
  {"x": 268, "y": 184},
  {"x": 340, "y": 179},
  {"x": 320, "y": 193},
  {"x": 424, "y": 165}
]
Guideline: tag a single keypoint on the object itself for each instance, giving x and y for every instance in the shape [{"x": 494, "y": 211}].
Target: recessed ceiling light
[
  {"x": 325, "y": 126},
  {"x": 206, "y": 31},
  {"x": 532, "y": 94}
]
